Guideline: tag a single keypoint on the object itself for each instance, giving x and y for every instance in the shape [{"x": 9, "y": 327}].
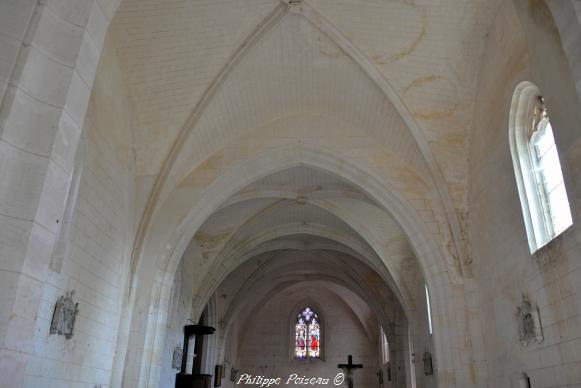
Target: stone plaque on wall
[
  {"x": 233, "y": 374},
  {"x": 529, "y": 321},
  {"x": 176, "y": 362},
  {"x": 64, "y": 316},
  {"x": 428, "y": 366}
]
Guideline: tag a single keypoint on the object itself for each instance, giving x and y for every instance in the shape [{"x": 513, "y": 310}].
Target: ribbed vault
[
  {"x": 295, "y": 129},
  {"x": 266, "y": 220},
  {"x": 296, "y": 61}
]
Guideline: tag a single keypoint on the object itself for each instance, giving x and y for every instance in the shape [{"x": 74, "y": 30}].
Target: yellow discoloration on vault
[
  {"x": 404, "y": 52},
  {"x": 425, "y": 81}
]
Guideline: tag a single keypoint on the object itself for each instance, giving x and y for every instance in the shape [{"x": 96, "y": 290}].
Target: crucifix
[{"x": 349, "y": 367}]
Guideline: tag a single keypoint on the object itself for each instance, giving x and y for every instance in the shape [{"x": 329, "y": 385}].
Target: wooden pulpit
[{"x": 195, "y": 379}]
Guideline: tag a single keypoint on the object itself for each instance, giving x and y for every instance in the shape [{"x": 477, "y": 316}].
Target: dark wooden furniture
[{"x": 195, "y": 379}]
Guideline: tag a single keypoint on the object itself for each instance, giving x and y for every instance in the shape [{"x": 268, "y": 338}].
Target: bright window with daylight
[
  {"x": 429, "y": 307},
  {"x": 548, "y": 173},
  {"x": 384, "y": 347},
  {"x": 537, "y": 168}
]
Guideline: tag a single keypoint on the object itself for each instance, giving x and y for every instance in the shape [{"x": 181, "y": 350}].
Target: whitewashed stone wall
[
  {"x": 52, "y": 49},
  {"x": 567, "y": 15},
  {"x": 96, "y": 263},
  {"x": 504, "y": 267},
  {"x": 231, "y": 355},
  {"x": 422, "y": 340},
  {"x": 179, "y": 315},
  {"x": 97, "y": 271}
]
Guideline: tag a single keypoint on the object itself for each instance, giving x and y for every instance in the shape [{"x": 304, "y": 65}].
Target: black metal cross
[{"x": 349, "y": 367}]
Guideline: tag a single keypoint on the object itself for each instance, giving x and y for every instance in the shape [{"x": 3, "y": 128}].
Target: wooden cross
[{"x": 349, "y": 367}]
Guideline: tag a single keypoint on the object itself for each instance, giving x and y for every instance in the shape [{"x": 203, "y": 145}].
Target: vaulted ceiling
[
  {"x": 389, "y": 84},
  {"x": 256, "y": 281},
  {"x": 173, "y": 54},
  {"x": 303, "y": 210}
]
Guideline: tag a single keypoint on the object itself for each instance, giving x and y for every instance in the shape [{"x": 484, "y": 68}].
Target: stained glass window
[{"x": 307, "y": 334}]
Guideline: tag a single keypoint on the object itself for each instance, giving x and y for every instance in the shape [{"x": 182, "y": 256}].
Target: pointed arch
[
  {"x": 324, "y": 25},
  {"x": 320, "y": 23},
  {"x": 433, "y": 259}
]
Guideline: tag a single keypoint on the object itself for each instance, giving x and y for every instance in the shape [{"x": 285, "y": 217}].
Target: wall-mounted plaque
[
  {"x": 428, "y": 366},
  {"x": 233, "y": 374},
  {"x": 529, "y": 320},
  {"x": 176, "y": 362},
  {"x": 64, "y": 316}
]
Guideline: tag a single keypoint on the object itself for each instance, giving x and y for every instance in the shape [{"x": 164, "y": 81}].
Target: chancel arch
[{"x": 226, "y": 185}]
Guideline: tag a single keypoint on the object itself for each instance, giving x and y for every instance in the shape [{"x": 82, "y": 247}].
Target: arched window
[
  {"x": 384, "y": 346},
  {"x": 429, "y": 310},
  {"x": 307, "y": 334},
  {"x": 537, "y": 168}
]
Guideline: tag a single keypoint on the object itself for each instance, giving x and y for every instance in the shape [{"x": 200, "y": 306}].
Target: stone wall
[
  {"x": 422, "y": 340},
  {"x": 50, "y": 52},
  {"x": 523, "y": 44},
  {"x": 178, "y": 315},
  {"x": 96, "y": 262}
]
